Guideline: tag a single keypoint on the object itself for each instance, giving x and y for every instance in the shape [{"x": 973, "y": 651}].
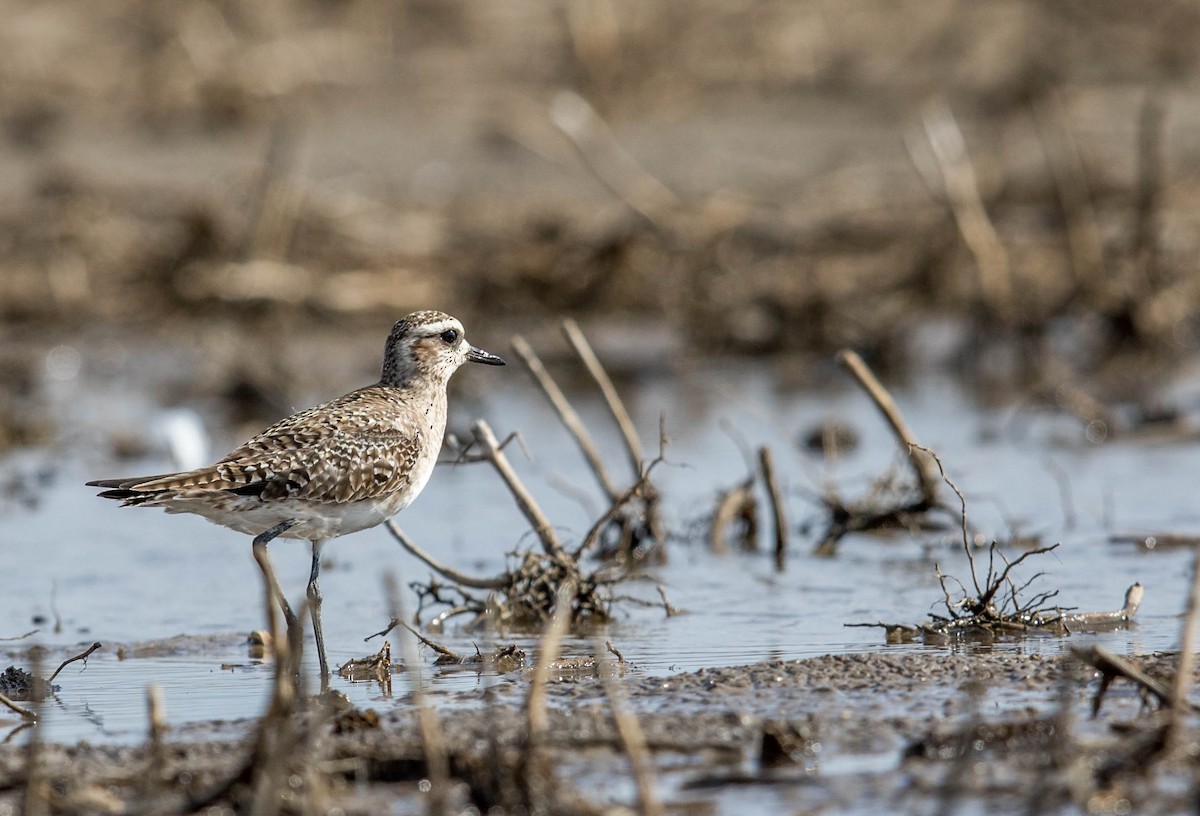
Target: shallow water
[{"x": 126, "y": 576}]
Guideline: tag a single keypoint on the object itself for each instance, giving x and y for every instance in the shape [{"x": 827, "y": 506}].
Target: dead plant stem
[
  {"x": 81, "y": 656},
  {"x": 633, "y": 739},
  {"x": 566, "y": 414},
  {"x": 922, "y": 467},
  {"x": 436, "y": 760},
  {"x": 773, "y": 492},
  {"x": 537, "y": 519},
  {"x": 535, "y": 703},
  {"x": 1187, "y": 661},
  {"x": 616, "y": 407},
  {"x": 448, "y": 573}
]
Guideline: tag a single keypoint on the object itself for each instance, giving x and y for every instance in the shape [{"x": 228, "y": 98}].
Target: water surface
[{"x": 125, "y": 576}]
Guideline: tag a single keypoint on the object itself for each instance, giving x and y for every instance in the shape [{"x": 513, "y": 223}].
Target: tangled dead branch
[
  {"x": 525, "y": 595},
  {"x": 636, "y": 531},
  {"x": 999, "y": 606}
]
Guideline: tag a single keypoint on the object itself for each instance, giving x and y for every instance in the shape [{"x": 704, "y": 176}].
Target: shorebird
[{"x": 335, "y": 469}]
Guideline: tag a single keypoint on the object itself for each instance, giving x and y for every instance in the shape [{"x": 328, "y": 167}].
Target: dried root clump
[{"x": 999, "y": 606}]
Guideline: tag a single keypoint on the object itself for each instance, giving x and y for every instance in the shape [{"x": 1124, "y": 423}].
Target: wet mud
[{"x": 854, "y": 732}]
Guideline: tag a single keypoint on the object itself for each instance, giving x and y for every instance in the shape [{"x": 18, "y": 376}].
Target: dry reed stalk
[
  {"x": 962, "y": 190},
  {"x": 1180, "y": 707},
  {"x": 612, "y": 399},
  {"x": 493, "y": 453},
  {"x": 633, "y": 739},
  {"x": 81, "y": 656},
  {"x": 610, "y": 164},
  {"x": 923, "y": 468},
  {"x": 566, "y": 414},
  {"x": 436, "y": 760},
  {"x": 773, "y": 492},
  {"x": 535, "y": 703},
  {"x": 502, "y": 582}
]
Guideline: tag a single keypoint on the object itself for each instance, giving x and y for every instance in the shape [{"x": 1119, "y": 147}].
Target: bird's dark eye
[{"x": 450, "y": 335}]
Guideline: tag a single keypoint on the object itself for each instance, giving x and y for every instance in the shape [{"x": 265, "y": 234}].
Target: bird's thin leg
[
  {"x": 314, "y": 609},
  {"x": 260, "y": 555}
]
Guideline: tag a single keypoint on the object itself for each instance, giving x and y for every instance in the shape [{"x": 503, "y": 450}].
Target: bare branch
[
  {"x": 449, "y": 573},
  {"x": 566, "y": 414},
  {"x": 616, "y": 407},
  {"x": 529, "y": 507},
  {"x": 922, "y": 467}
]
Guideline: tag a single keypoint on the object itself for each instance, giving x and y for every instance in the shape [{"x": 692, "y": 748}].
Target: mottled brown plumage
[{"x": 340, "y": 467}]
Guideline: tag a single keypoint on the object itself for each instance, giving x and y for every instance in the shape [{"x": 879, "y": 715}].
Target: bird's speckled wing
[{"x": 357, "y": 447}]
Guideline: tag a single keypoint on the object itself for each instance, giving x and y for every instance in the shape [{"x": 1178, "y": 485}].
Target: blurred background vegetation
[{"x": 1012, "y": 184}]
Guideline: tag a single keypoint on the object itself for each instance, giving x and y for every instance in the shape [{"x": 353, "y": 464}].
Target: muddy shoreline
[{"x": 847, "y": 731}]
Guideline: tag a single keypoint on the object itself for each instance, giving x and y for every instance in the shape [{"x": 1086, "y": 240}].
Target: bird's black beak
[{"x": 476, "y": 355}]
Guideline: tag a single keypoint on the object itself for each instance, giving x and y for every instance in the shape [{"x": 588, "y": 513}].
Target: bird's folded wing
[{"x": 322, "y": 454}]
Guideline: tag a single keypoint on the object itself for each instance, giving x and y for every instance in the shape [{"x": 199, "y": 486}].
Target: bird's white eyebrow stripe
[{"x": 439, "y": 326}]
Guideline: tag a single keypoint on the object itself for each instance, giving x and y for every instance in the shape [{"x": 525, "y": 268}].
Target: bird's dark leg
[
  {"x": 314, "y": 609},
  {"x": 260, "y": 555}
]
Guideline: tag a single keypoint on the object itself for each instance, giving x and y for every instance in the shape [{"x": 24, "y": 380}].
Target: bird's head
[{"x": 428, "y": 345}]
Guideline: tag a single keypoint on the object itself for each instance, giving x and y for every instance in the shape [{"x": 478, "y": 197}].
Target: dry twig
[
  {"x": 612, "y": 399},
  {"x": 1187, "y": 661},
  {"x": 633, "y": 739},
  {"x": 781, "y": 532},
  {"x": 493, "y": 453},
  {"x": 81, "y": 656},
  {"x": 566, "y": 414},
  {"x": 436, "y": 758}
]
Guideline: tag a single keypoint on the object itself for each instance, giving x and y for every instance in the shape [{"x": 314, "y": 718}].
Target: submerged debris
[
  {"x": 18, "y": 684},
  {"x": 502, "y": 659},
  {"x": 378, "y": 667}
]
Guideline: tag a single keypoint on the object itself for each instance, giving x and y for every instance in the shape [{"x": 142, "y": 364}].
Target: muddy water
[{"x": 126, "y": 576}]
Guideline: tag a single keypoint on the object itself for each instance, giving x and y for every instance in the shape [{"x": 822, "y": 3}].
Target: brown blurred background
[{"x": 756, "y": 178}]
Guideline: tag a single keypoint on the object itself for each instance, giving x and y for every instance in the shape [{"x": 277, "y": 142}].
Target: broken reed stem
[
  {"x": 267, "y": 768},
  {"x": 923, "y": 468},
  {"x": 158, "y": 727},
  {"x": 593, "y": 535},
  {"x": 532, "y": 512},
  {"x": 1062, "y": 154},
  {"x": 37, "y": 790},
  {"x": 1110, "y": 666},
  {"x": 535, "y": 703},
  {"x": 633, "y": 739},
  {"x": 436, "y": 760},
  {"x": 277, "y": 201},
  {"x": 25, "y": 713},
  {"x": 729, "y": 505},
  {"x": 30, "y": 633},
  {"x": 611, "y": 164},
  {"x": 566, "y": 414},
  {"x": 82, "y": 656},
  {"x": 1187, "y": 662},
  {"x": 616, "y": 407},
  {"x": 781, "y": 532},
  {"x": 962, "y": 189},
  {"x": 449, "y": 573}
]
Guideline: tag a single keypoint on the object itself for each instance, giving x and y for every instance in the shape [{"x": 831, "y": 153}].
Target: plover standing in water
[{"x": 334, "y": 469}]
